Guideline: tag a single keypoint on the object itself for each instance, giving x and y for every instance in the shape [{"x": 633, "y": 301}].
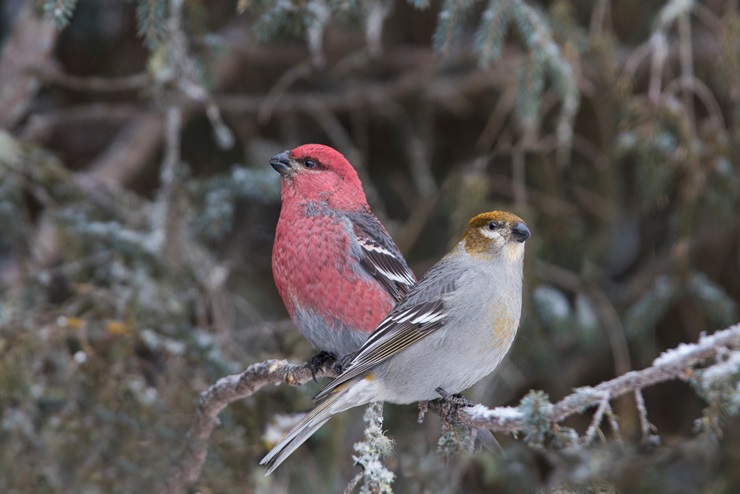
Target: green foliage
[
  {"x": 216, "y": 197},
  {"x": 196, "y": 16},
  {"x": 113, "y": 378},
  {"x": 544, "y": 59},
  {"x": 724, "y": 183},
  {"x": 651, "y": 307},
  {"x": 564, "y": 23},
  {"x": 450, "y": 24},
  {"x": 420, "y": 4},
  {"x": 657, "y": 147},
  {"x": 278, "y": 18},
  {"x": 151, "y": 16},
  {"x": 717, "y": 306},
  {"x": 535, "y": 407},
  {"x": 60, "y": 11},
  {"x": 719, "y": 386},
  {"x": 455, "y": 439},
  {"x": 491, "y": 33},
  {"x": 565, "y": 320},
  {"x": 531, "y": 85}
]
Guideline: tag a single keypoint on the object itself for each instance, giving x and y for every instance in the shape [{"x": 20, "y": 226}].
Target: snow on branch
[{"x": 535, "y": 417}]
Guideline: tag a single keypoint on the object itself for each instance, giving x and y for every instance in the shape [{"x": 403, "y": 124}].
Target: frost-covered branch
[
  {"x": 370, "y": 453},
  {"x": 536, "y": 416},
  {"x": 227, "y": 390}
]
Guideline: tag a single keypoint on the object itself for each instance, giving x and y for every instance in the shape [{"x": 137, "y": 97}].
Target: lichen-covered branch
[
  {"x": 370, "y": 453},
  {"x": 227, "y": 390}
]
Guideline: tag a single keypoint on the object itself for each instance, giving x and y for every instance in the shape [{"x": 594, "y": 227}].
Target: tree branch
[
  {"x": 526, "y": 418},
  {"x": 672, "y": 364},
  {"x": 53, "y": 75},
  {"x": 29, "y": 44},
  {"x": 227, "y": 390}
]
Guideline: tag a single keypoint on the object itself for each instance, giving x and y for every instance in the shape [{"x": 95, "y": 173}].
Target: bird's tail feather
[{"x": 305, "y": 429}]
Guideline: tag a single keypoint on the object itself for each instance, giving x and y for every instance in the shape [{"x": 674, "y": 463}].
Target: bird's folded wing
[
  {"x": 421, "y": 313},
  {"x": 380, "y": 256},
  {"x": 396, "y": 332}
]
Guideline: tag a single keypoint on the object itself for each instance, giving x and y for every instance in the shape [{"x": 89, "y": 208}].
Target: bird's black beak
[
  {"x": 281, "y": 163},
  {"x": 520, "y": 232}
]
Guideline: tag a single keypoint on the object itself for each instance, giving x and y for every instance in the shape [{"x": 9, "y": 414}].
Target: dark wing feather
[
  {"x": 380, "y": 257},
  {"x": 421, "y": 313}
]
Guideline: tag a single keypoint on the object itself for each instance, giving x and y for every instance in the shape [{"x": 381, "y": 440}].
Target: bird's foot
[
  {"x": 457, "y": 399},
  {"x": 450, "y": 403},
  {"x": 320, "y": 361}
]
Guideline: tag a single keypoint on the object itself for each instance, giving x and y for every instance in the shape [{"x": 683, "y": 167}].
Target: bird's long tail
[{"x": 311, "y": 423}]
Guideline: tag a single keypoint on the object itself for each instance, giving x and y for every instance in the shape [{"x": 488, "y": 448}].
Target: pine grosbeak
[
  {"x": 450, "y": 331},
  {"x": 335, "y": 266}
]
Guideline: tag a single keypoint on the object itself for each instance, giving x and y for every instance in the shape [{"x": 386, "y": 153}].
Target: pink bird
[{"x": 336, "y": 267}]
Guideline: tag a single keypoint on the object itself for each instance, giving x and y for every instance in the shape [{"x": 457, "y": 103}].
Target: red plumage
[{"x": 336, "y": 268}]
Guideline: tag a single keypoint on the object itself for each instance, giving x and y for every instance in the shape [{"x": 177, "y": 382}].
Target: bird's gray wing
[{"x": 421, "y": 313}]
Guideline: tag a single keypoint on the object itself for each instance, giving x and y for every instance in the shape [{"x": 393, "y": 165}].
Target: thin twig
[
  {"x": 597, "y": 418},
  {"x": 614, "y": 328},
  {"x": 270, "y": 102},
  {"x": 131, "y": 82},
  {"x": 499, "y": 116},
  {"x": 687, "y": 64},
  {"x": 642, "y": 411},
  {"x": 659, "y": 48},
  {"x": 700, "y": 89},
  {"x": 600, "y": 17},
  {"x": 352, "y": 483},
  {"x": 614, "y": 423}
]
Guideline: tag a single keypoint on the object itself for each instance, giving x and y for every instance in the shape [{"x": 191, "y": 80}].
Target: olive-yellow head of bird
[{"x": 496, "y": 234}]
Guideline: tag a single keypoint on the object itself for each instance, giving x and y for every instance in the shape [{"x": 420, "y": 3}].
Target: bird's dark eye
[
  {"x": 492, "y": 226},
  {"x": 310, "y": 164}
]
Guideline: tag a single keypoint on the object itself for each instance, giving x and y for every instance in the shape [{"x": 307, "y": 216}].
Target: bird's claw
[
  {"x": 320, "y": 361},
  {"x": 457, "y": 399},
  {"x": 452, "y": 403}
]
